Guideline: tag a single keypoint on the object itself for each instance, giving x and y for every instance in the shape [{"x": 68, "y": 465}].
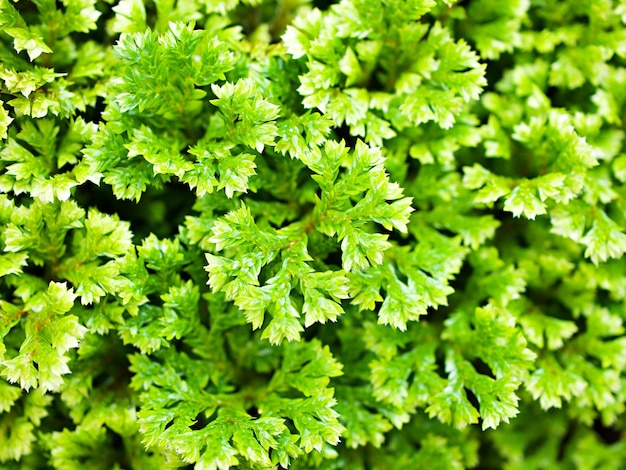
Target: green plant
[{"x": 410, "y": 214}]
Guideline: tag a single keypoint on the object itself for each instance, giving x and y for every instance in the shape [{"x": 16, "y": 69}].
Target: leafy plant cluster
[{"x": 365, "y": 234}]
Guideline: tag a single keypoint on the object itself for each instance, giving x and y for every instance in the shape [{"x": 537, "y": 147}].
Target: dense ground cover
[{"x": 382, "y": 234}]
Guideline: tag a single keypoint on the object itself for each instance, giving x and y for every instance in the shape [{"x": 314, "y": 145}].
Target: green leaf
[
  {"x": 550, "y": 383},
  {"x": 26, "y": 40},
  {"x": 12, "y": 263},
  {"x": 5, "y": 121},
  {"x": 130, "y": 17},
  {"x": 247, "y": 116},
  {"x": 50, "y": 333},
  {"x": 604, "y": 240},
  {"x": 17, "y": 430}
]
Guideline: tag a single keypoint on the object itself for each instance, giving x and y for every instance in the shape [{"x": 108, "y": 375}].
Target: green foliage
[{"x": 357, "y": 234}]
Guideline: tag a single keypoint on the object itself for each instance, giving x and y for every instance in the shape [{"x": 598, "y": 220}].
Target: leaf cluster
[{"x": 266, "y": 234}]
